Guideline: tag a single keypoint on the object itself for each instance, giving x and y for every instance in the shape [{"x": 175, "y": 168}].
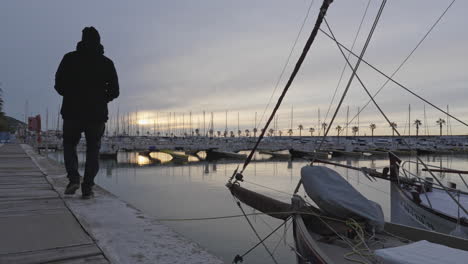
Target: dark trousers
[{"x": 93, "y": 131}]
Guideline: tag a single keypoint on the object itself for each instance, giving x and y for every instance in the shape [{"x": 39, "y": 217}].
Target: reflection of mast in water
[
  {"x": 214, "y": 166},
  {"x": 207, "y": 168},
  {"x": 290, "y": 164},
  {"x": 255, "y": 168}
]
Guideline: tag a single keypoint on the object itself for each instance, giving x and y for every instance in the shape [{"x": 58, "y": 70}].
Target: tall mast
[
  {"x": 409, "y": 120},
  {"x": 204, "y": 126},
  {"x": 358, "y": 121},
  {"x": 347, "y": 120},
  {"x": 425, "y": 121}
]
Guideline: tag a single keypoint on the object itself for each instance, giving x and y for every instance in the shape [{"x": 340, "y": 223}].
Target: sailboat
[{"x": 340, "y": 225}]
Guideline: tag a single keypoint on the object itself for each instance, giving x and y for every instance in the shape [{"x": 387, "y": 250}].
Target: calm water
[{"x": 197, "y": 189}]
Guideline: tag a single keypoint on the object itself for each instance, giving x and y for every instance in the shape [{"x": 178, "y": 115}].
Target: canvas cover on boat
[
  {"x": 336, "y": 197},
  {"x": 423, "y": 252}
]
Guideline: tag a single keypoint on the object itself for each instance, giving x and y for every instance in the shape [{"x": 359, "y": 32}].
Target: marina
[{"x": 324, "y": 132}]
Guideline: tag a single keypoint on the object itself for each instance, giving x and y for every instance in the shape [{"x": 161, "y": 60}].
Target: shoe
[
  {"x": 71, "y": 188},
  {"x": 87, "y": 193}
]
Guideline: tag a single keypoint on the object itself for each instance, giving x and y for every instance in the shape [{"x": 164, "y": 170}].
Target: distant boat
[{"x": 108, "y": 150}]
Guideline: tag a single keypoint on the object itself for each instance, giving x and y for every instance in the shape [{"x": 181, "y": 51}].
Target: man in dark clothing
[{"x": 87, "y": 80}]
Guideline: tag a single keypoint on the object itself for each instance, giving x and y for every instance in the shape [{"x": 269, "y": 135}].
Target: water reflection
[{"x": 164, "y": 188}]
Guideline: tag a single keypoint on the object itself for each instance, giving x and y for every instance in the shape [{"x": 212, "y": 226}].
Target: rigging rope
[
  {"x": 256, "y": 234},
  {"x": 403, "y": 62},
  {"x": 313, "y": 34},
  {"x": 287, "y": 62},
  {"x": 391, "y": 79},
  {"x": 393, "y": 127},
  {"x": 240, "y": 258},
  {"x": 349, "y": 55},
  {"x": 369, "y": 37}
]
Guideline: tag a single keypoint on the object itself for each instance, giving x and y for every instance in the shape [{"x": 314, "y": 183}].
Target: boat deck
[{"x": 441, "y": 201}]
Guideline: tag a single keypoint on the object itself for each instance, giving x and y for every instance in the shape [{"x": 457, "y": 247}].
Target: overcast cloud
[{"x": 185, "y": 55}]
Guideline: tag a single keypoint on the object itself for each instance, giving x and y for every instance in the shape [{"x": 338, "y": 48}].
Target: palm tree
[
  {"x": 239, "y": 133},
  {"x": 280, "y": 132},
  {"x": 300, "y": 130},
  {"x": 197, "y": 132},
  {"x": 324, "y": 126},
  {"x": 211, "y": 131},
  {"x": 290, "y": 132},
  {"x": 440, "y": 122},
  {"x": 338, "y": 129},
  {"x": 247, "y": 133},
  {"x": 393, "y": 125},
  {"x": 372, "y": 128},
  {"x": 311, "y": 130},
  {"x": 417, "y": 123},
  {"x": 219, "y": 133},
  {"x": 231, "y": 133},
  {"x": 271, "y": 131},
  {"x": 355, "y": 129},
  {"x": 225, "y": 133},
  {"x": 255, "y": 131}
]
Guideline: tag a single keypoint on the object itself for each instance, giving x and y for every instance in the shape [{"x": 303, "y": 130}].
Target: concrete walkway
[
  {"x": 35, "y": 224},
  {"x": 41, "y": 225}
]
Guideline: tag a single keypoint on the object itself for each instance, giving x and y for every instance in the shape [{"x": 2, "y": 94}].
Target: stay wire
[
  {"x": 369, "y": 37},
  {"x": 320, "y": 18},
  {"x": 391, "y": 79},
  {"x": 261, "y": 241},
  {"x": 393, "y": 127},
  {"x": 349, "y": 55},
  {"x": 403, "y": 62},
  {"x": 240, "y": 257},
  {"x": 287, "y": 62}
]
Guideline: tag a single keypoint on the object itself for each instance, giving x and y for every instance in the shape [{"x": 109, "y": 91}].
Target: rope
[
  {"x": 349, "y": 55},
  {"x": 320, "y": 18},
  {"x": 286, "y": 63},
  {"x": 258, "y": 236},
  {"x": 393, "y": 127},
  {"x": 269, "y": 188},
  {"x": 392, "y": 80},
  {"x": 240, "y": 258},
  {"x": 403, "y": 62},
  {"x": 219, "y": 217},
  {"x": 376, "y": 20}
]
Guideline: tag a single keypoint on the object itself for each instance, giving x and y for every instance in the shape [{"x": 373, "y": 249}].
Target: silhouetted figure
[{"x": 87, "y": 80}]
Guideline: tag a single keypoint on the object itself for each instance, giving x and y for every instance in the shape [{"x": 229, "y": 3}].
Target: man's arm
[
  {"x": 112, "y": 84},
  {"x": 61, "y": 76}
]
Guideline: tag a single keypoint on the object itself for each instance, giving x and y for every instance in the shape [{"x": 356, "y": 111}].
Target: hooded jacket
[{"x": 87, "y": 80}]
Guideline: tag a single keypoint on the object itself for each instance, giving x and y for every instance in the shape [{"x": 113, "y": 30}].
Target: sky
[{"x": 185, "y": 56}]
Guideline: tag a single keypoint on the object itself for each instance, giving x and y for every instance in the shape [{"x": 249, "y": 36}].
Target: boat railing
[
  {"x": 423, "y": 182},
  {"x": 439, "y": 169}
]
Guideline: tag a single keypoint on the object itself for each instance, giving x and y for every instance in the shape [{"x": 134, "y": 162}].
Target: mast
[
  {"x": 238, "y": 128},
  {"x": 118, "y": 106},
  {"x": 358, "y": 121},
  {"x": 204, "y": 126},
  {"x": 226, "y": 127},
  {"x": 347, "y": 120},
  {"x": 425, "y": 121},
  {"x": 409, "y": 120}
]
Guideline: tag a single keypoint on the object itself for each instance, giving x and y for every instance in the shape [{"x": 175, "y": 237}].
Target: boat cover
[
  {"x": 336, "y": 197},
  {"x": 422, "y": 252}
]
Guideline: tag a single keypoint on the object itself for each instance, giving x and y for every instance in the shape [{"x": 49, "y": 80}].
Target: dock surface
[
  {"x": 35, "y": 224},
  {"x": 38, "y": 224}
]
